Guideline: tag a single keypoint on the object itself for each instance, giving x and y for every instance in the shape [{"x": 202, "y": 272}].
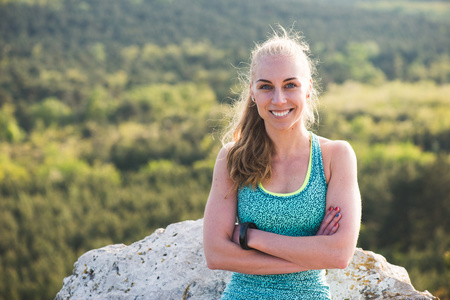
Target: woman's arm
[
  {"x": 325, "y": 251},
  {"x": 218, "y": 227}
]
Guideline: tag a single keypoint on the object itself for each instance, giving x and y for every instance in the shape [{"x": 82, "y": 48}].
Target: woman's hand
[{"x": 330, "y": 222}]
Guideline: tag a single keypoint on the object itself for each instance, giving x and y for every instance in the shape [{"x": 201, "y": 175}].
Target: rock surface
[{"x": 170, "y": 264}]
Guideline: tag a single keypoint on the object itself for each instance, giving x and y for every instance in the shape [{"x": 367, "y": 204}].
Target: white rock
[
  {"x": 170, "y": 264},
  {"x": 370, "y": 276}
]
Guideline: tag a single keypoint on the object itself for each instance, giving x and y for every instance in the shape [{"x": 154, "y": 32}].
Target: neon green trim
[{"x": 305, "y": 182}]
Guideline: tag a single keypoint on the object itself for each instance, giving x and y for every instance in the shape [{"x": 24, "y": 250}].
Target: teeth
[{"x": 280, "y": 114}]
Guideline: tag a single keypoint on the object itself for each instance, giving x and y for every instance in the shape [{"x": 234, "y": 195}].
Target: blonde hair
[{"x": 249, "y": 160}]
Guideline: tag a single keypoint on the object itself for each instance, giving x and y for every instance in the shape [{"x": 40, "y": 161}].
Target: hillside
[{"x": 110, "y": 113}]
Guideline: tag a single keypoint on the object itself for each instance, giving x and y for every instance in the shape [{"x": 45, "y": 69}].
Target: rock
[
  {"x": 170, "y": 264},
  {"x": 370, "y": 276}
]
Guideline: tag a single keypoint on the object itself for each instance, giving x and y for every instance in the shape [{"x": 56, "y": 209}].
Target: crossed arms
[{"x": 332, "y": 247}]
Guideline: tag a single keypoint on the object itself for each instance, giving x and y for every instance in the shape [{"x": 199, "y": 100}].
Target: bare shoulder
[
  {"x": 224, "y": 151},
  {"x": 221, "y": 181},
  {"x": 336, "y": 147},
  {"x": 336, "y": 153},
  {"x": 228, "y": 146},
  {"x": 220, "y": 168}
]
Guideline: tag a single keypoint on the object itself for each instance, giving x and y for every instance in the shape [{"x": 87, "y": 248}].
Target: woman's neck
[{"x": 289, "y": 142}]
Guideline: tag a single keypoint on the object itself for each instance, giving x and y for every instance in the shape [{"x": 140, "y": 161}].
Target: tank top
[{"x": 293, "y": 214}]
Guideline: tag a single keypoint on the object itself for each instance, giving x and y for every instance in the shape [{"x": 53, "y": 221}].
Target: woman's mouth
[{"x": 281, "y": 113}]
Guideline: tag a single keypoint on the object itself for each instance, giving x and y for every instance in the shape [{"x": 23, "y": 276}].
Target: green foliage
[
  {"x": 429, "y": 9},
  {"x": 51, "y": 111},
  {"x": 355, "y": 63},
  {"x": 12, "y": 173},
  {"x": 400, "y": 133},
  {"x": 110, "y": 180},
  {"x": 392, "y": 112},
  {"x": 107, "y": 111},
  {"x": 65, "y": 49},
  {"x": 9, "y": 129}
]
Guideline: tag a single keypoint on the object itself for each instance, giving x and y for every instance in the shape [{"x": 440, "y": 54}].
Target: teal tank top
[{"x": 295, "y": 214}]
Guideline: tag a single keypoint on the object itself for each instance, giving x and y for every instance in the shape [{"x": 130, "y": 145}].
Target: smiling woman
[
  {"x": 281, "y": 98},
  {"x": 295, "y": 194}
]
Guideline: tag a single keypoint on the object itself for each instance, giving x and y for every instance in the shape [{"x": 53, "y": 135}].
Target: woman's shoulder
[
  {"x": 225, "y": 149},
  {"x": 221, "y": 160},
  {"x": 333, "y": 144},
  {"x": 228, "y": 146},
  {"x": 336, "y": 149}
]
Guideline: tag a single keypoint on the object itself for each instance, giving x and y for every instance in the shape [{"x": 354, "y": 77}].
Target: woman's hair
[{"x": 249, "y": 160}]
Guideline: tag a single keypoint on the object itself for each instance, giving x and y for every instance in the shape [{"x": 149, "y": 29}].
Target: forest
[{"x": 111, "y": 115}]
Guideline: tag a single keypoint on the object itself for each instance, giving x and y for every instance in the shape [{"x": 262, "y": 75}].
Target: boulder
[{"x": 170, "y": 264}]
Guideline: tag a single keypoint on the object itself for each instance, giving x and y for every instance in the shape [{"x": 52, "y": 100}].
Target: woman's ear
[{"x": 309, "y": 88}]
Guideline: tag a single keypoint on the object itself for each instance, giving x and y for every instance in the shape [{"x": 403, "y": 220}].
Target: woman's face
[{"x": 280, "y": 88}]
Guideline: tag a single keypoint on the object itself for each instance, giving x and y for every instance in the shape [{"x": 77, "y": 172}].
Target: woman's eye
[
  {"x": 265, "y": 87},
  {"x": 290, "y": 85}
]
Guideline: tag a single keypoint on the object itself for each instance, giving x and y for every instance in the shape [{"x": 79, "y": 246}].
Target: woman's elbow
[
  {"x": 213, "y": 261},
  {"x": 343, "y": 263},
  {"x": 343, "y": 258},
  {"x": 212, "y": 264}
]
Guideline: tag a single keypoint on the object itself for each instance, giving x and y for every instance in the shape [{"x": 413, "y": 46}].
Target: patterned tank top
[{"x": 293, "y": 214}]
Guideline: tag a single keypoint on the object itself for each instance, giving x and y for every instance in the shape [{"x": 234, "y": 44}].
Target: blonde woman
[{"x": 295, "y": 194}]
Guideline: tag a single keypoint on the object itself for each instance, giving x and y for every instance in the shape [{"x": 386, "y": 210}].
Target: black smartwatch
[{"x": 243, "y": 234}]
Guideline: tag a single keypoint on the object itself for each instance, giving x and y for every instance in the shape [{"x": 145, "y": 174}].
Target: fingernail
[
  {"x": 330, "y": 209},
  {"x": 336, "y": 208},
  {"x": 335, "y": 225},
  {"x": 337, "y": 215}
]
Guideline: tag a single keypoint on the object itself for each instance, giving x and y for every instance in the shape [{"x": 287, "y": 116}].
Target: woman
[{"x": 295, "y": 194}]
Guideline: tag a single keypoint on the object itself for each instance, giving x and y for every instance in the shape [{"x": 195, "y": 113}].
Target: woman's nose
[{"x": 278, "y": 97}]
